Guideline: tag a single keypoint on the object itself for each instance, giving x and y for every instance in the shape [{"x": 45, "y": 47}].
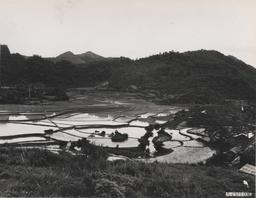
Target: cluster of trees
[
  {"x": 26, "y": 70},
  {"x": 197, "y": 77},
  {"x": 22, "y": 70}
]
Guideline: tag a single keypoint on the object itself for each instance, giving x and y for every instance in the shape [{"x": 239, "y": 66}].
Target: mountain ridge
[
  {"x": 202, "y": 76},
  {"x": 78, "y": 59}
]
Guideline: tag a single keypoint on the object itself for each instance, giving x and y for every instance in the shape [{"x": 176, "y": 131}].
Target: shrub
[
  {"x": 107, "y": 188},
  {"x": 38, "y": 157}
]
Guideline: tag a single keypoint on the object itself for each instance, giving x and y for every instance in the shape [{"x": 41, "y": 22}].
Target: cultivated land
[
  {"x": 33, "y": 172},
  {"x": 43, "y": 147}
]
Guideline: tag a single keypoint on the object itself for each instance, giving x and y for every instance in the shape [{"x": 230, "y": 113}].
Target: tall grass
[{"x": 39, "y": 173}]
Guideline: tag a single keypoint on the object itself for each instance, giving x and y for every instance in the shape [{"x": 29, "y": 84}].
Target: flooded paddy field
[{"x": 88, "y": 113}]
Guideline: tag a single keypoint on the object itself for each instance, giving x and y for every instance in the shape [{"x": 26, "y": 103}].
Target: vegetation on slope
[
  {"x": 198, "y": 77},
  {"x": 191, "y": 77},
  {"x": 227, "y": 127},
  {"x": 40, "y": 173}
]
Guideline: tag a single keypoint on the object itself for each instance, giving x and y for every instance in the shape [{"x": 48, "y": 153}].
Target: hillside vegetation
[
  {"x": 35, "y": 173},
  {"x": 199, "y": 76},
  {"x": 191, "y": 77}
]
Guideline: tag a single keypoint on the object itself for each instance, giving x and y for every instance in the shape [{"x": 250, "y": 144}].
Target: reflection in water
[
  {"x": 108, "y": 142},
  {"x": 18, "y": 117},
  {"x": 74, "y": 134},
  {"x": 64, "y": 137},
  {"x": 25, "y": 139},
  {"x": 82, "y": 117},
  {"x": 185, "y": 132},
  {"x": 146, "y": 115},
  {"x": 185, "y": 147},
  {"x": 160, "y": 121},
  {"x": 139, "y": 123},
  {"x": 176, "y": 135},
  {"x": 9, "y": 129},
  {"x": 21, "y": 117},
  {"x": 65, "y": 123},
  {"x": 193, "y": 143},
  {"x": 171, "y": 144},
  {"x": 185, "y": 155},
  {"x": 135, "y": 132},
  {"x": 163, "y": 114},
  {"x": 191, "y": 151}
]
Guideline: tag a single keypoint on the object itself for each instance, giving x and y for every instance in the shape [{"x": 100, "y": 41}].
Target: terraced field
[{"x": 87, "y": 114}]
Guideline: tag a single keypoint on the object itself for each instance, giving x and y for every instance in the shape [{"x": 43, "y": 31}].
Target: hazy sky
[{"x": 133, "y": 28}]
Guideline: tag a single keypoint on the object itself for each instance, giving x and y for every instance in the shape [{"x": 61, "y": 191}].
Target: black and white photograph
[{"x": 127, "y": 98}]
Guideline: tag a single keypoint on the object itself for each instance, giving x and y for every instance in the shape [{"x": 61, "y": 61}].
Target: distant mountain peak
[
  {"x": 90, "y": 57},
  {"x": 87, "y": 57},
  {"x": 89, "y": 53},
  {"x": 69, "y": 56},
  {"x": 67, "y": 53}
]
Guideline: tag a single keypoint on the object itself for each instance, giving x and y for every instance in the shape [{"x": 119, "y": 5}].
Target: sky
[{"x": 131, "y": 28}]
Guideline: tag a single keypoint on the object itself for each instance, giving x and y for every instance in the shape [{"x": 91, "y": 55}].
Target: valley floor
[{"x": 40, "y": 173}]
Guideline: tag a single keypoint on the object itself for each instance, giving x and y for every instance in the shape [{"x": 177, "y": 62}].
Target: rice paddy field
[{"x": 89, "y": 113}]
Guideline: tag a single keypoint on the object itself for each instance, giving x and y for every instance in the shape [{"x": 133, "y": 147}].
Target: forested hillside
[{"x": 198, "y": 76}]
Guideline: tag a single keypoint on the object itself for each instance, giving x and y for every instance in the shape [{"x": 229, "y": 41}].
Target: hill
[
  {"x": 4, "y": 54},
  {"x": 203, "y": 76},
  {"x": 68, "y": 56},
  {"x": 89, "y": 57},
  {"x": 78, "y": 59},
  {"x": 199, "y": 76}
]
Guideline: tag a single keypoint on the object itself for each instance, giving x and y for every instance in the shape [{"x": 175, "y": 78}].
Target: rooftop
[{"x": 249, "y": 169}]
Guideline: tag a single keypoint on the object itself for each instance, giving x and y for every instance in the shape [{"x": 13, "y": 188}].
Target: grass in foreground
[{"x": 41, "y": 173}]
